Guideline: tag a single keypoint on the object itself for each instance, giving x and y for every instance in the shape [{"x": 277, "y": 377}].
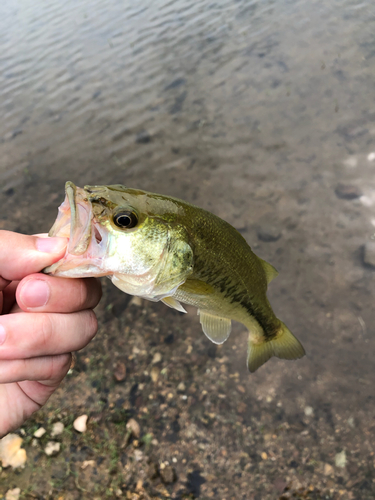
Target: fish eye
[{"x": 125, "y": 219}]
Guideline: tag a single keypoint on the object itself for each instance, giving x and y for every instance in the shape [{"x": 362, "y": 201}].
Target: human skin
[{"x": 43, "y": 319}]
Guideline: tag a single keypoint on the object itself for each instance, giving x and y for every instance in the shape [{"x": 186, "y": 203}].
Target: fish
[{"x": 164, "y": 249}]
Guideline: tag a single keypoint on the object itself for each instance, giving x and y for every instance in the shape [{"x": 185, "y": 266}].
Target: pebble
[
  {"x": 138, "y": 455},
  {"x": 369, "y": 253},
  {"x": 168, "y": 474},
  {"x": 52, "y": 448},
  {"x": 154, "y": 373},
  {"x": 347, "y": 191},
  {"x": 156, "y": 358},
  {"x": 264, "y": 455},
  {"x": 57, "y": 429},
  {"x": 80, "y": 423},
  {"x": 136, "y": 301},
  {"x": 371, "y": 156},
  {"x": 268, "y": 232},
  {"x": 133, "y": 426},
  {"x": 40, "y": 432},
  {"x": 11, "y": 453},
  {"x": 13, "y": 494},
  {"x": 143, "y": 137},
  {"x": 351, "y": 422},
  {"x": 351, "y": 162},
  {"x": 181, "y": 387},
  {"x": 340, "y": 459},
  {"x": 309, "y": 411},
  {"x": 328, "y": 470},
  {"x": 87, "y": 463},
  {"x": 119, "y": 371}
]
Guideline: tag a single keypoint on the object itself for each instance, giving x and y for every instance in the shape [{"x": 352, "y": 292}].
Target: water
[{"x": 255, "y": 110}]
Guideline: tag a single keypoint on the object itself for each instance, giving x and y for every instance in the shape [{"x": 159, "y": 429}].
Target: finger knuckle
[
  {"x": 91, "y": 323},
  {"x": 46, "y": 330}
]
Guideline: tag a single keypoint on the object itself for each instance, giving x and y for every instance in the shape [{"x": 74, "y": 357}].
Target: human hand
[{"x": 42, "y": 320}]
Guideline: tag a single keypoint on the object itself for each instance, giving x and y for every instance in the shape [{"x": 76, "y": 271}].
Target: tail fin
[{"x": 284, "y": 345}]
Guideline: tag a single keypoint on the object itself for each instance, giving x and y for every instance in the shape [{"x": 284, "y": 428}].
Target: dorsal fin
[
  {"x": 270, "y": 271},
  {"x": 216, "y": 328}
]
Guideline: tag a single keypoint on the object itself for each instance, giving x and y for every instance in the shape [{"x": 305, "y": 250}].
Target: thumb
[{"x": 21, "y": 255}]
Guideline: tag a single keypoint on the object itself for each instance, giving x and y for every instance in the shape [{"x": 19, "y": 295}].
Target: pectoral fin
[
  {"x": 196, "y": 287},
  {"x": 173, "y": 303},
  {"x": 217, "y": 329}
]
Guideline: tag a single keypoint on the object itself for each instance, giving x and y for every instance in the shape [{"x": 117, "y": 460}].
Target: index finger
[{"x": 21, "y": 255}]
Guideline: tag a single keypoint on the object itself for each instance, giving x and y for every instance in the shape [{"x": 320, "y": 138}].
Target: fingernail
[
  {"x": 2, "y": 334},
  {"x": 35, "y": 293},
  {"x": 51, "y": 245}
]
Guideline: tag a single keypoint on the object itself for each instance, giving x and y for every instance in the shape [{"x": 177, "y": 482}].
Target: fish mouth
[
  {"x": 87, "y": 238},
  {"x": 74, "y": 220}
]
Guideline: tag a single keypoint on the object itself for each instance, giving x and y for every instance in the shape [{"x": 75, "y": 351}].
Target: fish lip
[
  {"x": 88, "y": 240},
  {"x": 80, "y": 219}
]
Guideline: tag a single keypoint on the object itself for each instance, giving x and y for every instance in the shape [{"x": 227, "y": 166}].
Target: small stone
[
  {"x": 351, "y": 162},
  {"x": 268, "y": 232},
  {"x": 181, "y": 387},
  {"x": 52, "y": 448},
  {"x": 11, "y": 453},
  {"x": 168, "y": 474},
  {"x": 154, "y": 373},
  {"x": 347, "y": 192},
  {"x": 241, "y": 388},
  {"x": 133, "y": 426},
  {"x": 57, "y": 429},
  {"x": 80, "y": 423},
  {"x": 369, "y": 253},
  {"x": 371, "y": 156},
  {"x": 119, "y": 371},
  {"x": 136, "y": 301},
  {"x": 351, "y": 422},
  {"x": 13, "y": 494},
  {"x": 264, "y": 455},
  {"x": 87, "y": 463},
  {"x": 143, "y": 137},
  {"x": 309, "y": 411},
  {"x": 39, "y": 432},
  {"x": 138, "y": 455},
  {"x": 328, "y": 470},
  {"x": 156, "y": 358},
  {"x": 340, "y": 459}
]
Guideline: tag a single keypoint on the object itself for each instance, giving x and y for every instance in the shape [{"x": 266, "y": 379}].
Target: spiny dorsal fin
[
  {"x": 270, "y": 271},
  {"x": 217, "y": 329},
  {"x": 173, "y": 303}
]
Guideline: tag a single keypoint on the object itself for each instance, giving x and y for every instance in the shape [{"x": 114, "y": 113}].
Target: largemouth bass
[{"x": 161, "y": 248}]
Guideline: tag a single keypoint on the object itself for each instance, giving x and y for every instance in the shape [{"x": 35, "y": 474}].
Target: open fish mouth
[
  {"x": 74, "y": 220},
  {"x": 87, "y": 238}
]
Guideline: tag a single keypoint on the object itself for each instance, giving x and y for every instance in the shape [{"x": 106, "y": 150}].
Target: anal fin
[
  {"x": 173, "y": 303},
  {"x": 216, "y": 328}
]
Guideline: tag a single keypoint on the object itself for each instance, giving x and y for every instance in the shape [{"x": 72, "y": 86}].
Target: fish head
[{"x": 129, "y": 235}]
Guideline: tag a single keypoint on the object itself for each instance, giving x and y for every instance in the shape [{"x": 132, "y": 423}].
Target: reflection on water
[
  {"x": 223, "y": 83},
  {"x": 256, "y": 110}
]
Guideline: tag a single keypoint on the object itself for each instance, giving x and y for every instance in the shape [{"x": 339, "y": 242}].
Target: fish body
[{"x": 161, "y": 248}]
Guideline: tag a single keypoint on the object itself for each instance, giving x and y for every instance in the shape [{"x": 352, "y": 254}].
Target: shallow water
[{"x": 255, "y": 110}]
